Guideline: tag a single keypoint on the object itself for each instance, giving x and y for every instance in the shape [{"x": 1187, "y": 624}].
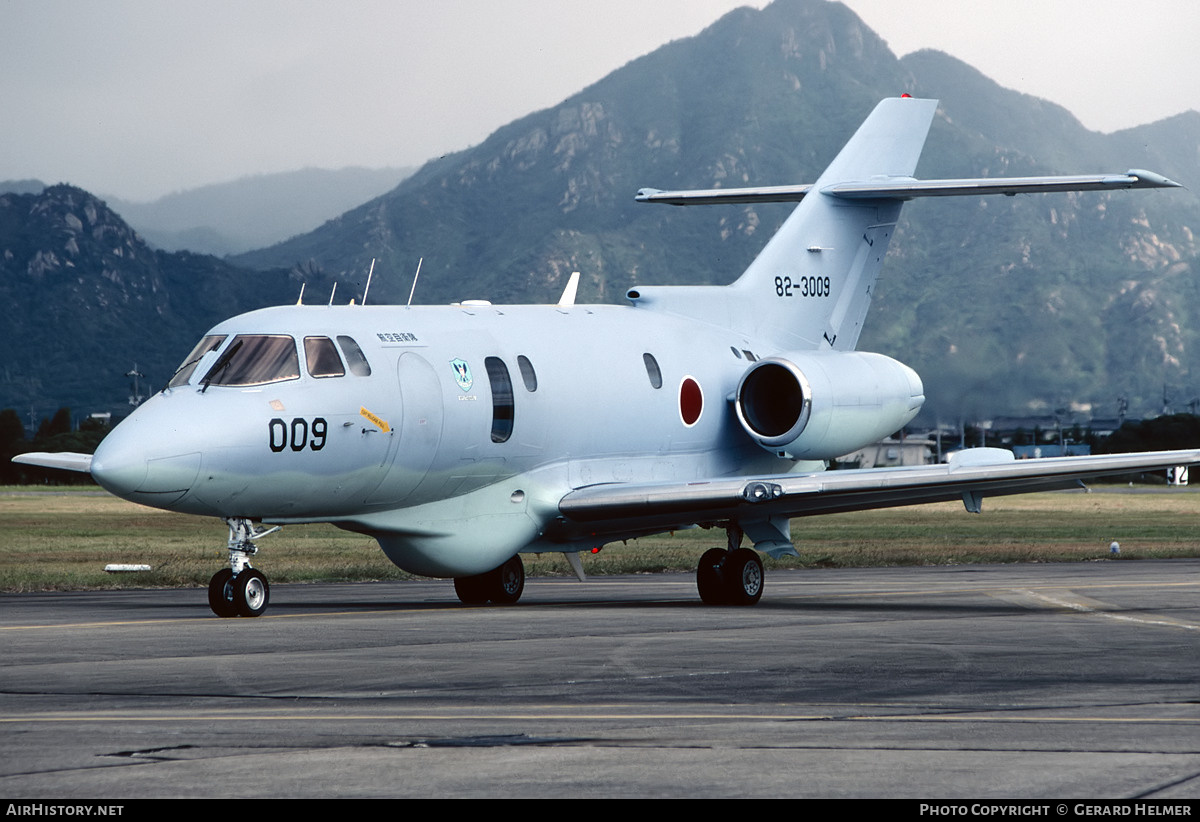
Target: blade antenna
[
  {"x": 568, "y": 296},
  {"x": 332, "y": 292},
  {"x": 368, "y": 288},
  {"x": 413, "y": 290},
  {"x": 300, "y": 299}
]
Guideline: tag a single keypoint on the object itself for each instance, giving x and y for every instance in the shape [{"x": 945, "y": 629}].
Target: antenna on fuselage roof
[
  {"x": 413, "y": 290},
  {"x": 568, "y": 296},
  {"x": 368, "y": 288},
  {"x": 332, "y": 292},
  {"x": 300, "y": 299}
]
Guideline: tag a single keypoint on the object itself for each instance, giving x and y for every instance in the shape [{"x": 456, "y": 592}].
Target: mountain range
[
  {"x": 247, "y": 213},
  {"x": 84, "y": 300},
  {"x": 1004, "y": 305},
  {"x": 251, "y": 212}
]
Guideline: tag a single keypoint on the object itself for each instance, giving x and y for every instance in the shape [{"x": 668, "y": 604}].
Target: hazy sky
[{"x": 138, "y": 98}]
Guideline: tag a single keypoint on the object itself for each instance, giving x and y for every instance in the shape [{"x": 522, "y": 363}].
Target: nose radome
[
  {"x": 128, "y": 465},
  {"x": 117, "y": 467}
]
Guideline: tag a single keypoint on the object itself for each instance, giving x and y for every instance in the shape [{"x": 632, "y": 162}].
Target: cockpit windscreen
[
  {"x": 184, "y": 372},
  {"x": 256, "y": 359}
]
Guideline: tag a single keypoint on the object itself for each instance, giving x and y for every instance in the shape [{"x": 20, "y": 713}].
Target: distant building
[
  {"x": 1104, "y": 426},
  {"x": 1009, "y": 429},
  {"x": 891, "y": 452},
  {"x": 1032, "y": 452}
]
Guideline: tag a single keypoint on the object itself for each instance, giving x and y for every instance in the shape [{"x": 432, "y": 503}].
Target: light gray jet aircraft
[{"x": 460, "y": 436}]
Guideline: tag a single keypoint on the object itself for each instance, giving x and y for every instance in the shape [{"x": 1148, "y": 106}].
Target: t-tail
[
  {"x": 811, "y": 286},
  {"x": 819, "y": 270}
]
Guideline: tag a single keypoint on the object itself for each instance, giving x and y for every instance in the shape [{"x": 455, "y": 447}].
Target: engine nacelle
[{"x": 821, "y": 405}]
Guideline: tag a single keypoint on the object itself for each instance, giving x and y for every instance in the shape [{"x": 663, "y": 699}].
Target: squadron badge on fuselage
[{"x": 462, "y": 374}]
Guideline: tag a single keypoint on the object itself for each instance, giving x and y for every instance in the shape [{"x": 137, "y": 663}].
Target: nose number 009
[{"x": 297, "y": 434}]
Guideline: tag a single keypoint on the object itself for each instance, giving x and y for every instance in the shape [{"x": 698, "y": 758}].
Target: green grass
[{"x": 62, "y": 541}]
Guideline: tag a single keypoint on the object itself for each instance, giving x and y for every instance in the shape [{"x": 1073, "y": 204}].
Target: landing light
[{"x": 761, "y": 491}]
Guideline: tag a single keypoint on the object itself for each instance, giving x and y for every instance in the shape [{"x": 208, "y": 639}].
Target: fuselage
[
  {"x": 453, "y": 402},
  {"x": 452, "y": 433}
]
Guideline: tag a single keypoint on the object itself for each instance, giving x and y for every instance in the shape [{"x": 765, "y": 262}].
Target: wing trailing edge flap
[
  {"x": 757, "y": 500},
  {"x": 65, "y": 460},
  {"x": 909, "y": 188}
]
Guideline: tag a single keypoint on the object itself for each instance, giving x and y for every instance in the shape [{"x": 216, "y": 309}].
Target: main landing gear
[
  {"x": 730, "y": 576},
  {"x": 501, "y": 586},
  {"x": 240, "y": 590}
]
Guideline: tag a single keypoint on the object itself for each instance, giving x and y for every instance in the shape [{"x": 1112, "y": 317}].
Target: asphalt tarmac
[{"x": 1019, "y": 681}]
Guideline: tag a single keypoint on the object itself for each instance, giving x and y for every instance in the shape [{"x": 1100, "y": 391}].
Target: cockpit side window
[
  {"x": 184, "y": 372},
  {"x": 358, "y": 364},
  {"x": 256, "y": 359},
  {"x": 322, "y": 357}
]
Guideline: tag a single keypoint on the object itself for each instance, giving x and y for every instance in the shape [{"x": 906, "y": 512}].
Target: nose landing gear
[
  {"x": 220, "y": 593},
  {"x": 240, "y": 590}
]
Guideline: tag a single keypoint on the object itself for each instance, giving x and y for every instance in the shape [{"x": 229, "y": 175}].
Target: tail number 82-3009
[{"x": 802, "y": 287}]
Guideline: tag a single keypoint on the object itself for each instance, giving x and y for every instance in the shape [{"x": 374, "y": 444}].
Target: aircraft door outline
[{"x": 418, "y": 431}]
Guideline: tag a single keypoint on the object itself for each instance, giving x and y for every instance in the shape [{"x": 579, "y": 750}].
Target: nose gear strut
[{"x": 240, "y": 590}]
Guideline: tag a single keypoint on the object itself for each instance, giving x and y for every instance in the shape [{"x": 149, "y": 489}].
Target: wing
[
  {"x": 972, "y": 475},
  {"x": 65, "y": 460},
  {"x": 908, "y": 188}
]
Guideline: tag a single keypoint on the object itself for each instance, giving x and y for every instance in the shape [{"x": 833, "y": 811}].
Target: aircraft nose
[
  {"x": 128, "y": 464},
  {"x": 118, "y": 469}
]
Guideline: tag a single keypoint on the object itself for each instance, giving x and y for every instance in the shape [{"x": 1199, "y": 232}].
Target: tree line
[{"x": 56, "y": 433}]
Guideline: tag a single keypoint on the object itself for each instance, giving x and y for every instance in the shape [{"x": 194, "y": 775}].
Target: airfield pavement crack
[{"x": 1151, "y": 793}]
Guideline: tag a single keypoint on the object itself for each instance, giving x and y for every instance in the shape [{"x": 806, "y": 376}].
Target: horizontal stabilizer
[
  {"x": 966, "y": 187},
  {"x": 725, "y": 196},
  {"x": 908, "y": 188},
  {"x": 64, "y": 460}
]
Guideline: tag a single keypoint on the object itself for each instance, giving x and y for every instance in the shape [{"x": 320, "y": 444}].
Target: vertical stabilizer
[{"x": 811, "y": 286}]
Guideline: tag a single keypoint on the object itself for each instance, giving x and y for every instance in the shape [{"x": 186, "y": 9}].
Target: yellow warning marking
[{"x": 379, "y": 421}]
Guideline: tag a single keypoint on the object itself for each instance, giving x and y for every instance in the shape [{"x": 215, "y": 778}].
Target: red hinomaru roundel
[{"x": 691, "y": 401}]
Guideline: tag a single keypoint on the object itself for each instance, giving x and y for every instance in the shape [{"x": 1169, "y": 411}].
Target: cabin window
[
  {"x": 184, "y": 372},
  {"x": 528, "y": 375},
  {"x": 652, "y": 370},
  {"x": 322, "y": 357},
  {"x": 357, "y": 363},
  {"x": 502, "y": 399},
  {"x": 256, "y": 359}
]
